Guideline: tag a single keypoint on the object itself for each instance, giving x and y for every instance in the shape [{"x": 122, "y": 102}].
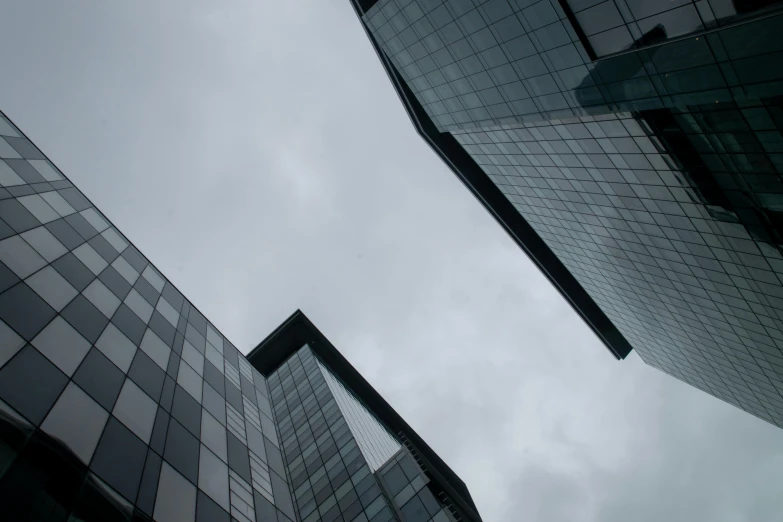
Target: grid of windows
[
  {"x": 617, "y": 25},
  {"x": 471, "y": 64},
  {"x": 330, "y": 478},
  {"x": 478, "y": 63},
  {"x": 375, "y": 441},
  {"x": 408, "y": 488},
  {"x": 697, "y": 295},
  {"x": 118, "y": 399},
  {"x": 653, "y": 174}
]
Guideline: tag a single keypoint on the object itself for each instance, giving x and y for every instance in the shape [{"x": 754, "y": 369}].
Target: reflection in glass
[{"x": 609, "y": 32}]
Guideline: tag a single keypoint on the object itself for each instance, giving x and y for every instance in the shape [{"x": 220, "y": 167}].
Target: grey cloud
[{"x": 256, "y": 152}]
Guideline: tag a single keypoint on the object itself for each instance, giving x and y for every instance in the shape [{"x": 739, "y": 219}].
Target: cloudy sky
[{"x": 257, "y": 154}]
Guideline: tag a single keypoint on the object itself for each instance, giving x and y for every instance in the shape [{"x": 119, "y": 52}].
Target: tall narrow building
[
  {"x": 334, "y": 425},
  {"x": 120, "y": 401},
  {"x": 633, "y": 150}
]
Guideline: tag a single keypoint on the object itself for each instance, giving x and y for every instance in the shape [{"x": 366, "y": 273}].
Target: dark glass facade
[
  {"x": 633, "y": 150},
  {"x": 336, "y": 471},
  {"x": 120, "y": 401},
  {"x": 612, "y": 26}
]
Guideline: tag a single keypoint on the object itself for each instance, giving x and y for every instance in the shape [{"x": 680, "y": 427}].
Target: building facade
[
  {"x": 633, "y": 150},
  {"x": 120, "y": 401},
  {"x": 348, "y": 454}
]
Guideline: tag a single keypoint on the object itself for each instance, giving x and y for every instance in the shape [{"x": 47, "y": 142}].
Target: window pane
[
  {"x": 168, "y": 311},
  {"x": 10, "y": 343},
  {"x": 125, "y": 270},
  {"x": 644, "y": 8},
  {"x": 58, "y": 203},
  {"x": 238, "y": 458},
  {"x": 103, "y": 299},
  {"x": 207, "y": 510},
  {"x": 44, "y": 243},
  {"x": 27, "y": 367},
  {"x": 214, "y": 403},
  {"x": 676, "y": 22},
  {"x": 114, "y": 239},
  {"x": 100, "y": 378},
  {"x": 62, "y": 345},
  {"x": 176, "y": 501},
  {"x": 119, "y": 459},
  {"x": 414, "y": 511},
  {"x": 39, "y": 208},
  {"x": 94, "y": 219},
  {"x": 130, "y": 325},
  {"x": 90, "y": 258},
  {"x": 118, "y": 348},
  {"x": 77, "y": 421},
  {"x": 20, "y": 257},
  {"x": 255, "y": 442},
  {"x": 54, "y": 289},
  {"x": 213, "y": 477},
  {"x": 213, "y": 435},
  {"x": 193, "y": 357},
  {"x": 395, "y": 480},
  {"x": 98, "y": 501},
  {"x": 85, "y": 317},
  {"x": 214, "y": 337},
  {"x": 157, "y": 350},
  {"x": 9, "y": 178},
  {"x": 182, "y": 450},
  {"x": 154, "y": 278},
  {"x": 74, "y": 271},
  {"x": 139, "y": 305},
  {"x": 147, "y": 375},
  {"x": 136, "y": 410},
  {"x": 611, "y": 41},
  {"x": 190, "y": 381},
  {"x": 186, "y": 410}
]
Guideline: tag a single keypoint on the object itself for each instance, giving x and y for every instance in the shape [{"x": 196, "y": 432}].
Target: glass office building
[
  {"x": 348, "y": 455},
  {"x": 120, "y": 401},
  {"x": 633, "y": 149}
]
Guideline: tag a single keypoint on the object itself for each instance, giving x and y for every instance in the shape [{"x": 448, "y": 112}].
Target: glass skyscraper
[
  {"x": 120, "y": 401},
  {"x": 633, "y": 149}
]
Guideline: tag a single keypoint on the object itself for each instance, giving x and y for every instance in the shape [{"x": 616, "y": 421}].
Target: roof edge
[{"x": 296, "y": 331}]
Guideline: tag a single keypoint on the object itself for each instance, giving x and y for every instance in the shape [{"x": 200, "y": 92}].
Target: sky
[{"x": 256, "y": 152}]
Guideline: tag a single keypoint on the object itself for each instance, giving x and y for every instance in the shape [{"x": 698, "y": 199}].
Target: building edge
[
  {"x": 297, "y": 331},
  {"x": 493, "y": 200}
]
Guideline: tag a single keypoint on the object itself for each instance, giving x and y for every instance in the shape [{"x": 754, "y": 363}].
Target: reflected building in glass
[
  {"x": 120, "y": 401},
  {"x": 633, "y": 150},
  {"x": 348, "y": 455}
]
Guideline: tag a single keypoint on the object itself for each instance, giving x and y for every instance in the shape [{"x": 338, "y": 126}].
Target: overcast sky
[{"x": 256, "y": 152}]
